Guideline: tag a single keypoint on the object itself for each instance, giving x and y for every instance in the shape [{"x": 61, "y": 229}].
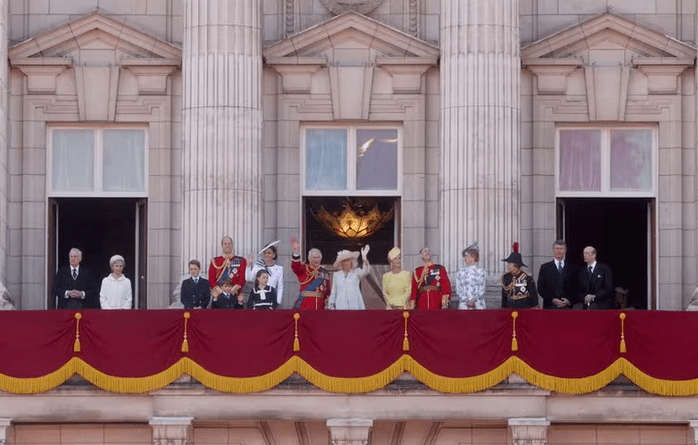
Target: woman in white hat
[
  {"x": 346, "y": 293},
  {"x": 116, "y": 288},
  {"x": 397, "y": 283}
]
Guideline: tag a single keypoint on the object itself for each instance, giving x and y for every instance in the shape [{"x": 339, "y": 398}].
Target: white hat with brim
[{"x": 346, "y": 255}]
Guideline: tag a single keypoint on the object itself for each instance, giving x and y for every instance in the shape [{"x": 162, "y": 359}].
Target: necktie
[
  {"x": 559, "y": 266},
  {"x": 196, "y": 280},
  {"x": 75, "y": 274},
  {"x": 589, "y": 269}
]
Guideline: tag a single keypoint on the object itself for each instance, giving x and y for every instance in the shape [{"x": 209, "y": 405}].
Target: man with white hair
[
  {"x": 313, "y": 278},
  {"x": 75, "y": 286}
]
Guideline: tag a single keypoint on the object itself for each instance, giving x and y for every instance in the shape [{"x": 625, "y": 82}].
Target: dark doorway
[
  {"x": 620, "y": 230},
  {"x": 100, "y": 228}
]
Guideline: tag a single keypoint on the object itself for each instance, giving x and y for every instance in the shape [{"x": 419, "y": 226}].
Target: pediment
[
  {"x": 607, "y": 37},
  {"x": 351, "y": 36},
  {"x": 94, "y": 32}
]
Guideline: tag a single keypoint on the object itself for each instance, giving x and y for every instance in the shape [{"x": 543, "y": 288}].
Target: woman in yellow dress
[{"x": 396, "y": 283}]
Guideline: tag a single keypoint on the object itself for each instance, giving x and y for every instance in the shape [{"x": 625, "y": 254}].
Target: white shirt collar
[{"x": 592, "y": 265}]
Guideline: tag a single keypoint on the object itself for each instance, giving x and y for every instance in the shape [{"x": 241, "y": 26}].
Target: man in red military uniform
[
  {"x": 430, "y": 286},
  {"x": 227, "y": 266},
  {"x": 313, "y": 278}
]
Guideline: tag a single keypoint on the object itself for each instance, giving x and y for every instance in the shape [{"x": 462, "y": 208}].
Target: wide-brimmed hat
[
  {"x": 346, "y": 255},
  {"x": 393, "y": 253},
  {"x": 515, "y": 258}
]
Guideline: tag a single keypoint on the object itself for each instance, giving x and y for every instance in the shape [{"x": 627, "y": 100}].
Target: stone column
[
  {"x": 480, "y": 160},
  {"x": 4, "y": 426},
  {"x": 693, "y": 431},
  {"x": 532, "y": 431},
  {"x": 222, "y": 127},
  {"x": 172, "y": 430},
  {"x": 4, "y": 157},
  {"x": 349, "y": 431}
]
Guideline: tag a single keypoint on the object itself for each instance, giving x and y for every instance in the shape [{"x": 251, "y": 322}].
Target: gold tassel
[
  {"x": 76, "y": 345},
  {"x": 185, "y": 343},
  {"x": 406, "y": 341},
  {"x": 623, "y": 350},
  {"x": 514, "y": 342},
  {"x": 296, "y": 342}
]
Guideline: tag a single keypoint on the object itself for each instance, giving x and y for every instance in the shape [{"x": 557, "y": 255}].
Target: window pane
[
  {"x": 580, "y": 160},
  {"x": 376, "y": 159},
  {"x": 326, "y": 159},
  {"x": 631, "y": 160},
  {"x": 124, "y": 161},
  {"x": 73, "y": 161}
]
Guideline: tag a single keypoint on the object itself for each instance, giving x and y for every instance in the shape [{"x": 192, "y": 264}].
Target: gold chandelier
[{"x": 350, "y": 223}]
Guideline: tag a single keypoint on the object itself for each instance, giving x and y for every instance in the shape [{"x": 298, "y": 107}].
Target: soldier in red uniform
[
  {"x": 314, "y": 279},
  {"x": 227, "y": 266},
  {"x": 430, "y": 286}
]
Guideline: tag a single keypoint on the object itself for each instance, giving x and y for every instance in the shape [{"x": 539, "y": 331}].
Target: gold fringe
[
  {"x": 296, "y": 342},
  {"x": 514, "y": 342},
  {"x": 185, "y": 342},
  {"x": 244, "y": 384},
  {"x": 459, "y": 385},
  {"x": 76, "y": 345},
  {"x": 131, "y": 385},
  {"x": 406, "y": 341},
  {"x": 658, "y": 386},
  {"x": 567, "y": 385},
  {"x": 35, "y": 385},
  {"x": 623, "y": 350},
  {"x": 351, "y": 385}
]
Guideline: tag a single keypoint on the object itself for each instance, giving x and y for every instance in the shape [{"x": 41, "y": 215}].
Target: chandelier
[{"x": 353, "y": 223}]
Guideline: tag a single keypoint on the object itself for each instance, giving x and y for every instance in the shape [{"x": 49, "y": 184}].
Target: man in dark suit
[
  {"x": 595, "y": 283},
  {"x": 557, "y": 280},
  {"x": 75, "y": 287},
  {"x": 196, "y": 291}
]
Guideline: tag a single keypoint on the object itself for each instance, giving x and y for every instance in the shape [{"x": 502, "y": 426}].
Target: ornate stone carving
[
  {"x": 349, "y": 431},
  {"x": 171, "y": 430},
  {"x": 529, "y": 431},
  {"x": 413, "y": 17},
  {"x": 289, "y": 17},
  {"x": 360, "y": 6}
]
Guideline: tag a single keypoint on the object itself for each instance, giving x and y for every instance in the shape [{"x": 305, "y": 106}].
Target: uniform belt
[
  {"x": 426, "y": 288},
  {"x": 315, "y": 294}
]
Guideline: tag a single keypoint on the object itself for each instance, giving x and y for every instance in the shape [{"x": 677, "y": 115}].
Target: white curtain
[
  {"x": 124, "y": 161},
  {"x": 325, "y": 159},
  {"x": 580, "y": 160},
  {"x": 631, "y": 160},
  {"x": 72, "y": 168},
  {"x": 376, "y": 159}
]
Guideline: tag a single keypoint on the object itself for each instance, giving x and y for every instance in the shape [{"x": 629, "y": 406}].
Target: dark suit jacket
[
  {"x": 85, "y": 282},
  {"x": 600, "y": 283},
  {"x": 195, "y": 295},
  {"x": 552, "y": 285},
  {"x": 226, "y": 301}
]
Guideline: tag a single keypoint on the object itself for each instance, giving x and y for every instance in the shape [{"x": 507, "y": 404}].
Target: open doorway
[
  {"x": 622, "y": 231},
  {"x": 100, "y": 228}
]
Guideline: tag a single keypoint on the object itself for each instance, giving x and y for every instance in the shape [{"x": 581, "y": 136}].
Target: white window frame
[
  {"x": 606, "y": 163},
  {"x": 97, "y": 190},
  {"x": 351, "y": 189}
]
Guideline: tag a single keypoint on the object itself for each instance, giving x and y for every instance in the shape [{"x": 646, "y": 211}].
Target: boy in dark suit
[
  {"x": 196, "y": 291},
  {"x": 226, "y": 299}
]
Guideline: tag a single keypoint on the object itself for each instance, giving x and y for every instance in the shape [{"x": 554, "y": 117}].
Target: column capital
[
  {"x": 4, "y": 426},
  {"x": 349, "y": 431},
  {"x": 693, "y": 425},
  {"x": 172, "y": 430},
  {"x": 529, "y": 431}
]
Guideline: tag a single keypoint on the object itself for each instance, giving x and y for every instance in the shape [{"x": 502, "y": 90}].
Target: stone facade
[{"x": 424, "y": 66}]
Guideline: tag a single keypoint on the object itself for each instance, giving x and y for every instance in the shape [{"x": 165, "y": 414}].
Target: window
[
  {"x": 354, "y": 160},
  {"x": 617, "y": 161},
  {"x": 97, "y": 162},
  {"x": 351, "y": 189}
]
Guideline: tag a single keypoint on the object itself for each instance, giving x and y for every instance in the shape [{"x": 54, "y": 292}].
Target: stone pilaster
[
  {"x": 693, "y": 431},
  {"x": 172, "y": 430},
  {"x": 4, "y": 426},
  {"x": 349, "y": 431},
  {"x": 480, "y": 160},
  {"x": 4, "y": 157},
  {"x": 222, "y": 127},
  {"x": 532, "y": 431}
]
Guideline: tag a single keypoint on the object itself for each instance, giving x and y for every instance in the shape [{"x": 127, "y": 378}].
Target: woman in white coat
[
  {"x": 116, "y": 288},
  {"x": 346, "y": 292}
]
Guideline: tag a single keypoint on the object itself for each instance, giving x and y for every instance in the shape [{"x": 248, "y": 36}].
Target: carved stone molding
[
  {"x": 662, "y": 73},
  {"x": 152, "y": 73},
  {"x": 349, "y": 431},
  {"x": 360, "y": 6},
  {"x": 4, "y": 426},
  {"x": 552, "y": 74},
  {"x": 530, "y": 431},
  {"x": 42, "y": 72},
  {"x": 172, "y": 430}
]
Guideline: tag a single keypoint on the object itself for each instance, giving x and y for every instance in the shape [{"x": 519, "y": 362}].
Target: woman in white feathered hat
[
  {"x": 346, "y": 293},
  {"x": 116, "y": 288}
]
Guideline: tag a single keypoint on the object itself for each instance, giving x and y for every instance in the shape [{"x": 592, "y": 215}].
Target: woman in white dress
[
  {"x": 471, "y": 280},
  {"x": 346, "y": 292},
  {"x": 268, "y": 263},
  {"x": 116, "y": 288}
]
